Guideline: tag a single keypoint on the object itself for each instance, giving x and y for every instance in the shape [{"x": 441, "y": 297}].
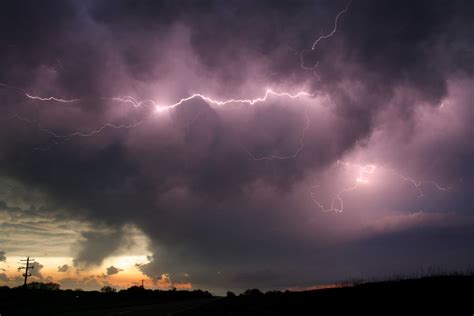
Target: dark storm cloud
[
  {"x": 93, "y": 247},
  {"x": 187, "y": 178}
]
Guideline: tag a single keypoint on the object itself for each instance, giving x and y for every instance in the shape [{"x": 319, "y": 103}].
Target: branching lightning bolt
[
  {"x": 418, "y": 183},
  {"x": 337, "y": 202},
  {"x": 62, "y": 138},
  {"x": 363, "y": 173}
]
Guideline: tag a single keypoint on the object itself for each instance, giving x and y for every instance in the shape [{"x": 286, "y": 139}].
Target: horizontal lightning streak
[
  {"x": 159, "y": 108},
  {"x": 66, "y": 137},
  {"x": 209, "y": 100},
  {"x": 80, "y": 134},
  {"x": 418, "y": 183},
  {"x": 38, "y": 98},
  {"x": 52, "y": 99}
]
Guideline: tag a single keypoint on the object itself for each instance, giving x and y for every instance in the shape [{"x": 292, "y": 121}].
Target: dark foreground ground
[{"x": 446, "y": 295}]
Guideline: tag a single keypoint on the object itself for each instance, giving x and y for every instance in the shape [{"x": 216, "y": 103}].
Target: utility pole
[
  {"x": 27, "y": 265},
  {"x": 142, "y": 283}
]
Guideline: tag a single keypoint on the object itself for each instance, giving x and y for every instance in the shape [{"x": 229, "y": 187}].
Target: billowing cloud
[
  {"x": 86, "y": 283},
  {"x": 4, "y": 277},
  {"x": 113, "y": 270},
  {"x": 64, "y": 268},
  {"x": 233, "y": 195},
  {"x": 35, "y": 270}
]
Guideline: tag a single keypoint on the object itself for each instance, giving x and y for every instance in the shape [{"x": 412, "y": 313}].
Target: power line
[{"x": 27, "y": 265}]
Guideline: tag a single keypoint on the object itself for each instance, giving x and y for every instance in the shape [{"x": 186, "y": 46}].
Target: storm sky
[{"x": 356, "y": 164}]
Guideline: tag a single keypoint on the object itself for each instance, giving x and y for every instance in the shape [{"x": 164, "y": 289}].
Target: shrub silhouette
[
  {"x": 108, "y": 289},
  {"x": 43, "y": 286},
  {"x": 252, "y": 292}
]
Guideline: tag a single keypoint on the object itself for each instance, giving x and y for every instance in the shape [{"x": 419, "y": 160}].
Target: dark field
[{"x": 440, "y": 295}]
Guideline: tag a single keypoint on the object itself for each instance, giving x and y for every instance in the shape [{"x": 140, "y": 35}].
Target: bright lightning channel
[
  {"x": 337, "y": 202},
  {"x": 34, "y": 97},
  {"x": 158, "y": 108},
  {"x": 210, "y": 100}
]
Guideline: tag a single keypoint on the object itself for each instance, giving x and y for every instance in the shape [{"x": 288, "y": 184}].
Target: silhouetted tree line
[
  {"x": 133, "y": 291},
  {"x": 436, "y": 295},
  {"x": 43, "y": 286},
  {"x": 48, "y": 297},
  {"x": 447, "y": 295}
]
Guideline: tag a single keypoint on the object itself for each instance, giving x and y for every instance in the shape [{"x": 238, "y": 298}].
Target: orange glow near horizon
[{"x": 89, "y": 278}]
